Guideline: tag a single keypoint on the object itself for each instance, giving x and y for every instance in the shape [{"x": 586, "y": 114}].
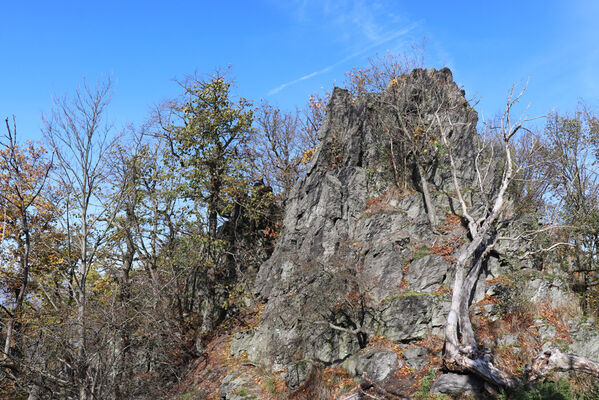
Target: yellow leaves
[
  {"x": 419, "y": 132},
  {"x": 317, "y": 103},
  {"x": 23, "y": 170},
  {"x": 307, "y": 156},
  {"x": 105, "y": 288},
  {"x": 101, "y": 285},
  {"x": 396, "y": 81},
  {"x": 55, "y": 259}
]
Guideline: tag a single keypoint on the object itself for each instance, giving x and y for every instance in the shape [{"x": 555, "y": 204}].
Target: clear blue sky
[{"x": 47, "y": 47}]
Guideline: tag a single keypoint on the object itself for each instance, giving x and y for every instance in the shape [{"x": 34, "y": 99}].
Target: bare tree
[
  {"x": 571, "y": 151},
  {"x": 278, "y": 149},
  {"x": 462, "y": 353},
  {"x": 82, "y": 141},
  {"x": 413, "y": 135},
  {"x": 27, "y": 214},
  {"x": 310, "y": 119},
  {"x": 408, "y": 100},
  {"x": 382, "y": 69}
]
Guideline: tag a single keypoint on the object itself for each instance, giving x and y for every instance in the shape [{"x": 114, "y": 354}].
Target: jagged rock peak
[{"x": 349, "y": 263}]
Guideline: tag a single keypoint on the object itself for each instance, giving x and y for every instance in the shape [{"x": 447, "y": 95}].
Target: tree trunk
[
  {"x": 81, "y": 335},
  {"x": 213, "y": 202},
  {"x": 21, "y": 294},
  {"x": 207, "y": 315},
  {"x": 428, "y": 200},
  {"x": 123, "y": 363},
  {"x": 34, "y": 392},
  {"x": 461, "y": 352}
]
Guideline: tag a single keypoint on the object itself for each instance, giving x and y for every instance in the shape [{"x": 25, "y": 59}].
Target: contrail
[{"x": 354, "y": 55}]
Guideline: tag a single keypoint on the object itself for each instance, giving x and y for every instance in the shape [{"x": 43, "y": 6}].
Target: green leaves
[{"x": 208, "y": 139}]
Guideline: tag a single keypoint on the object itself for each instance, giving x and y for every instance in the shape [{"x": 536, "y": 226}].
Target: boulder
[
  {"x": 416, "y": 357},
  {"x": 455, "y": 384}
]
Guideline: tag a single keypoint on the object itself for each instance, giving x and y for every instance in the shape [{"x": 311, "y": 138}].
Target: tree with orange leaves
[{"x": 25, "y": 211}]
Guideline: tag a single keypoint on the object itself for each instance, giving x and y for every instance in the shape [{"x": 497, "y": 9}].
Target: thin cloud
[
  {"x": 366, "y": 49},
  {"x": 368, "y": 19}
]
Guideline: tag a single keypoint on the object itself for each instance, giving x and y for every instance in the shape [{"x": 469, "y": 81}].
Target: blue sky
[{"x": 284, "y": 50}]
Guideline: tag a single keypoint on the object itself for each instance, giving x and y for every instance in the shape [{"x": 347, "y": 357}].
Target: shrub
[
  {"x": 550, "y": 390},
  {"x": 424, "y": 391}
]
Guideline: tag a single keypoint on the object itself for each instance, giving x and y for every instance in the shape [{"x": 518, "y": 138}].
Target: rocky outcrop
[
  {"x": 357, "y": 257},
  {"x": 358, "y": 263}
]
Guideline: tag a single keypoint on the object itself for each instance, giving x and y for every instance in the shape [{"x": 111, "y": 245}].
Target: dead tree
[{"x": 461, "y": 352}]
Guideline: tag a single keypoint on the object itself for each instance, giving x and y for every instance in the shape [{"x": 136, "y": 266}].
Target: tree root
[{"x": 545, "y": 363}]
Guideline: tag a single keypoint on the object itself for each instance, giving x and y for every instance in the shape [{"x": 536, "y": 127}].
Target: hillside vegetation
[{"x": 382, "y": 242}]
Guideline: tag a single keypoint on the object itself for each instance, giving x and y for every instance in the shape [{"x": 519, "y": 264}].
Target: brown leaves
[{"x": 446, "y": 249}]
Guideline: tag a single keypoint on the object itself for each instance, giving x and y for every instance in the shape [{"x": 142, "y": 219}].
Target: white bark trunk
[{"x": 431, "y": 211}]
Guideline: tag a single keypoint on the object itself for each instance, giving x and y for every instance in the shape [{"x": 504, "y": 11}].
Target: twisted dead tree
[{"x": 461, "y": 352}]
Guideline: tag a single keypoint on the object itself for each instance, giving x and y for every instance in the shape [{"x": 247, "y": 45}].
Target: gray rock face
[
  {"x": 555, "y": 290},
  {"x": 381, "y": 365},
  {"x": 547, "y": 332},
  {"x": 407, "y": 318},
  {"x": 426, "y": 274},
  {"x": 241, "y": 342},
  {"x": 346, "y": 260},
  {"x": 297, "y": 373},
  {"x": 378, "y": 365},
  {"x": 234, "y": 387},
  {"x": 456, "y": 384},
  {"x": 586, "y": 340},
  {"x": 508, "y": 340},
  {"x": 416, "y": 357}
]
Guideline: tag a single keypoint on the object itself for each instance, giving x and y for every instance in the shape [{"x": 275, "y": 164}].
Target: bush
[
  {"x": 550, "y": 390},
  {"x": 512, "y": 299}
]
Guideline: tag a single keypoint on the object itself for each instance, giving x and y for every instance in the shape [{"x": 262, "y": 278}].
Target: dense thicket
[{"x": 124, "y": 252}]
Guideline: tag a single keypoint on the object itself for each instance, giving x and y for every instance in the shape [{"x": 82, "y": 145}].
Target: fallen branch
[{"x": 554, "y": 360}]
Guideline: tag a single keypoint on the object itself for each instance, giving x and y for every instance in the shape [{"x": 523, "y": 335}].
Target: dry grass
[
  {"x": 381, "y": 204},
  {"x": 432, "y": 342},
  {"x": 207, "y": 373},
  {"x": 558, "y": 317},
  {"x": 522, "y": 322},
  {"x": 404, "y": 278},
  {"x": 324, "y": 383},
  {"x": 451, "y": 223},
  {"x": 446, "y": 249}
]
